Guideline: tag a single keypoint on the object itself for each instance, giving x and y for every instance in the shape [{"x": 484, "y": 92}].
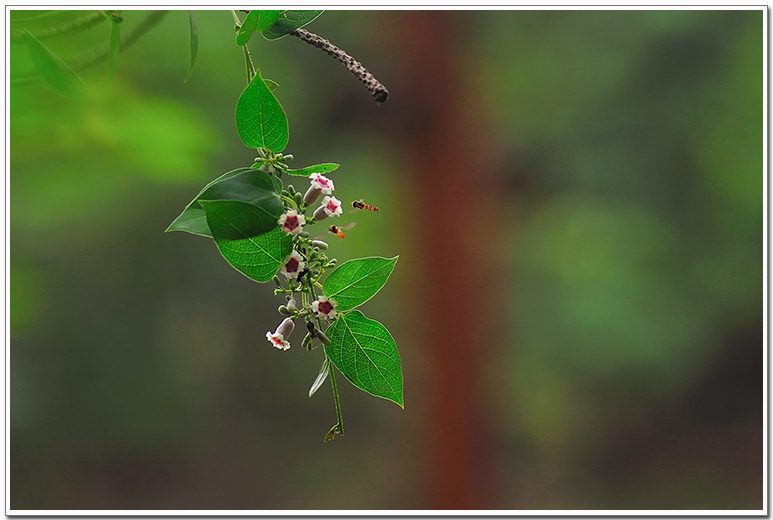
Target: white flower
[
  {"x": 325, "y": 306},
  {"x": 293, "y": 265},
  {"x": 291, "y": 222},
  {"x": 331, "y": 207},
  {"x": 283, "y": 331},
  {"x": 321, "y": 182},
  {"x": 319, "y": 185}
]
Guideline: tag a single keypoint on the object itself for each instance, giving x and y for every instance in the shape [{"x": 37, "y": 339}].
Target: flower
[
  {"x": 330, "y": 207},
  {"x": 325, "y": 306},
  {"x": 291, "y": 222},
  {"x": 293, "y": 265},
  {"x": 283, "y": 331},
  {"x": 319, "y": 185}
]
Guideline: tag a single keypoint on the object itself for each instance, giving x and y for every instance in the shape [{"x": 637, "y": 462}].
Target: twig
[{"x": 379, "y": 91}]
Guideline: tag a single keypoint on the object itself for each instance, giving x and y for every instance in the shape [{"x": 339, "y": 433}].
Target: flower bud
[
  {"x": 291, "y": 190},
  {"x": 298, "y": 198},
  {"x": 291, "y": 305},
  {"x": 289, "y": 157},
  {"x": 304, "y": 234},
  {"x": 319, "y": 243},
  {"x": 276, "y": 281},
  {"x": 320, "y": 214},
  {"x": 284, "y": 311},
  {"x": 312, "y": 195},
  {"x": 286, "y": 328}
]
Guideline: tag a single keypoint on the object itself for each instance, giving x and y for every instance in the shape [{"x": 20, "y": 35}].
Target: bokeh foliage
[{"x": 626, "y": 151}]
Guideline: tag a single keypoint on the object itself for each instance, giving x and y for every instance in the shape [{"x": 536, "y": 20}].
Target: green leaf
[
  {"x": 323, "y": 373},
  {"x": 256, "y": 20},
  {"x": 194, "y": 31},
  {"x": 288, "y": 21},
  {"x": 366, "y": 354},
  {"x": 244, "y": 205},
  {"x": 115, "y": 44},
  {"x": 317, "y": 168},
  {"x": 234, "y": 219},
  {"x": 260, "y": 119},
  {"x": 257, "y": 258},
  {"x": 271, "y": 84},
  {"x": 357, "y": 281},
  {"x": 193, "y": 219},
  {"x": 53, "y": 70}
]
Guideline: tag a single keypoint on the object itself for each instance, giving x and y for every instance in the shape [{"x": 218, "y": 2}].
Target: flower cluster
[{"x": 302, "y": 269}]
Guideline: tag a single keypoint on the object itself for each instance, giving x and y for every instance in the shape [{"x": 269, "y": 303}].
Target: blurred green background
[{"x": 607, "y": 225}]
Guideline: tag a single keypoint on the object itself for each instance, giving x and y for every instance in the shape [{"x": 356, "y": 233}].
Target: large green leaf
[
  {"x": 366, "y": 354},
  {"x": 288, "y": 21},
  {"x": 317, "y": 168},
  {"x": 256, "y": 20},
  {"x": 53, "y": 70},
  {"x": 234, "y": 185},
  {"x": 260, "y": 119},
  {"x": 258, "y": 257},
  {"x": 234, "y": 219},
  {"x": 357, "y": 281}
]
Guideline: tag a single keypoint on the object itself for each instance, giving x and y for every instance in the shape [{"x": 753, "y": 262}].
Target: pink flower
[
  {"x": 325, "y": 307},
  {"x": 319, "y": 185},
  {"x": 331, "y": 207},
  {"x": 291, "y": 222},
  {"x": 283, "y": 331},
  {"x": 292, "y": 266}
]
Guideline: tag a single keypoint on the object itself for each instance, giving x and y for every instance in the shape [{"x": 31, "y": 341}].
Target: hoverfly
[
  {"x": 338, "y": 230},
  {"x": 358, "y": 205}
]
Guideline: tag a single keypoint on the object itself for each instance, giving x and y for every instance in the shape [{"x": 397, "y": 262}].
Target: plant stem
[
  {"x": 236, "y": 18},
  {"x": 339, "y": 418},
  {"x": 248, "y": 64},
  {"x": 288, "y": 199}
]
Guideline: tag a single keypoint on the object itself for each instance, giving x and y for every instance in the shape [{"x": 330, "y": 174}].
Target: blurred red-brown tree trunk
[{"x": 451, "y": 197}]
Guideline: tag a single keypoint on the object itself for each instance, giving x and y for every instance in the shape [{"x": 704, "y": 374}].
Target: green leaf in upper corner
[
  {"x": 260, "y": 119},
  {"x": 256, "y": 20},
  {"x": 357, "y": 281},
  {"x": 193, "y": 219},
  {"x": 194, "y": 32},
  {"x": 317, "y": 168},
  {"x": 115, "y": 44},
  {"x": 257, "y": 258},
  {"x": 53, "y": 70},
  {"x": 323, "y": 373},
  {"x": 288, "y": 21},
  {"x": 366, "y": 354}
]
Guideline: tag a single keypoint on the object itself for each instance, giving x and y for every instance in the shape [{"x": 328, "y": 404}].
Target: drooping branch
[{"x": 379, "y": 91}]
